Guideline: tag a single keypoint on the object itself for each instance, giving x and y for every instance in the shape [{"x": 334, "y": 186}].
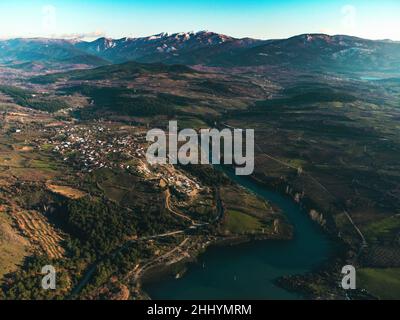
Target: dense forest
[
  {"x": 98, "y": 233},
  {"x": 34, "y": 100},
  {"x": 126, "y": 102}
]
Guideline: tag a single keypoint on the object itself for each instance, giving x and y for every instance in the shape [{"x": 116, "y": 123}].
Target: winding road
[{"x": 195, "y": 225}]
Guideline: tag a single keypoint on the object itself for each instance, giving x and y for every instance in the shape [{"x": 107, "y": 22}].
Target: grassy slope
[
  {"x": 386, "y": 227},
  {"x": 240, "y": 223},
  {"x": 246, "y": 213},
  {"x": 384, "y": 283},
  {"x": 123, "y": 71},
  {"x": 13, "y": 247}
]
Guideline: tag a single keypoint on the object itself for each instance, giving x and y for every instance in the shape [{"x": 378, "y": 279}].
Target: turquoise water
[
  {"x": 370, "y": 78},
  {"x": 248, "y": 271}
]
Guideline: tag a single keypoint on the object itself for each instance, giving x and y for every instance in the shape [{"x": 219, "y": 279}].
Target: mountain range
[{"x": 315, "y": 51}]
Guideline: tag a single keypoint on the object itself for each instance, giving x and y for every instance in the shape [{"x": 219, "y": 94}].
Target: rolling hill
[
  {"x": 17, "y": 51},
  {"x": 176, "y": 48},
  {"x": 319, "y": 51},
  {"x": 124, "y": 71},
  {"x": 308, "y": 51}
]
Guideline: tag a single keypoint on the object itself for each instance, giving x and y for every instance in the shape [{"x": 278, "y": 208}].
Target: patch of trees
[
  {"x": 207, "y": 174},
  {"x": 26, "y": 284},
  {"x": 98, "y": 226},
  {"x": 301, "y": 97},
  {"x": 215, "y": 87},
  {"x": 101, "y": 226},
  {"x": 31, "y": 100},
  {"x": 127, "y": 102},
  {"x": 124, "y": 71},
  {"x": 121, "y": 262}
]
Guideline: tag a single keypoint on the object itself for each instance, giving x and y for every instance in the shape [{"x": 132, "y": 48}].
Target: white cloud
[{"x": 80, "y": 36}]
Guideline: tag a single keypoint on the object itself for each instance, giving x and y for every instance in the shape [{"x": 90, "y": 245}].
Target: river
[{"x": 249, "y": 271}]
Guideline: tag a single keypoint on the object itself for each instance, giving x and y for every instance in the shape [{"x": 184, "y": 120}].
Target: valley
[
  {"x": 78, "y": 193},
  {"x": 56, "y": 171}
]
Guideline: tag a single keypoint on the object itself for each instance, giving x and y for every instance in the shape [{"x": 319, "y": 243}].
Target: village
[{"x": 98, "y": 146}]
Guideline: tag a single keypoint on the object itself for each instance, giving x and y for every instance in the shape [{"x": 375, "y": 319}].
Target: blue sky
[{"x": 264, "y": 19}]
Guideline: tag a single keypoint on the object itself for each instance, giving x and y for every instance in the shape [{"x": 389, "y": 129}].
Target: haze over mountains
[{"x": 311, "y": 51}]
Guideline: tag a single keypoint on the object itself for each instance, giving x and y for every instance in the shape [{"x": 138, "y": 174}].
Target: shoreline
[{"x": 159, "y": 272}]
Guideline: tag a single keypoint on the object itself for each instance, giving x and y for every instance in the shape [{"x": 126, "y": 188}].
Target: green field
[
  {"x": 383, "y": 283},
  {"x": 240, "y": 223},
  {"x": 381, "y": 229}
]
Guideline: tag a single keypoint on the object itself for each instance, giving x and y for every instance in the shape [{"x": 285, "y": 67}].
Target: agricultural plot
[
  {"x": 13, "y": 247},
  {"x": 44, "y": 237}
]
